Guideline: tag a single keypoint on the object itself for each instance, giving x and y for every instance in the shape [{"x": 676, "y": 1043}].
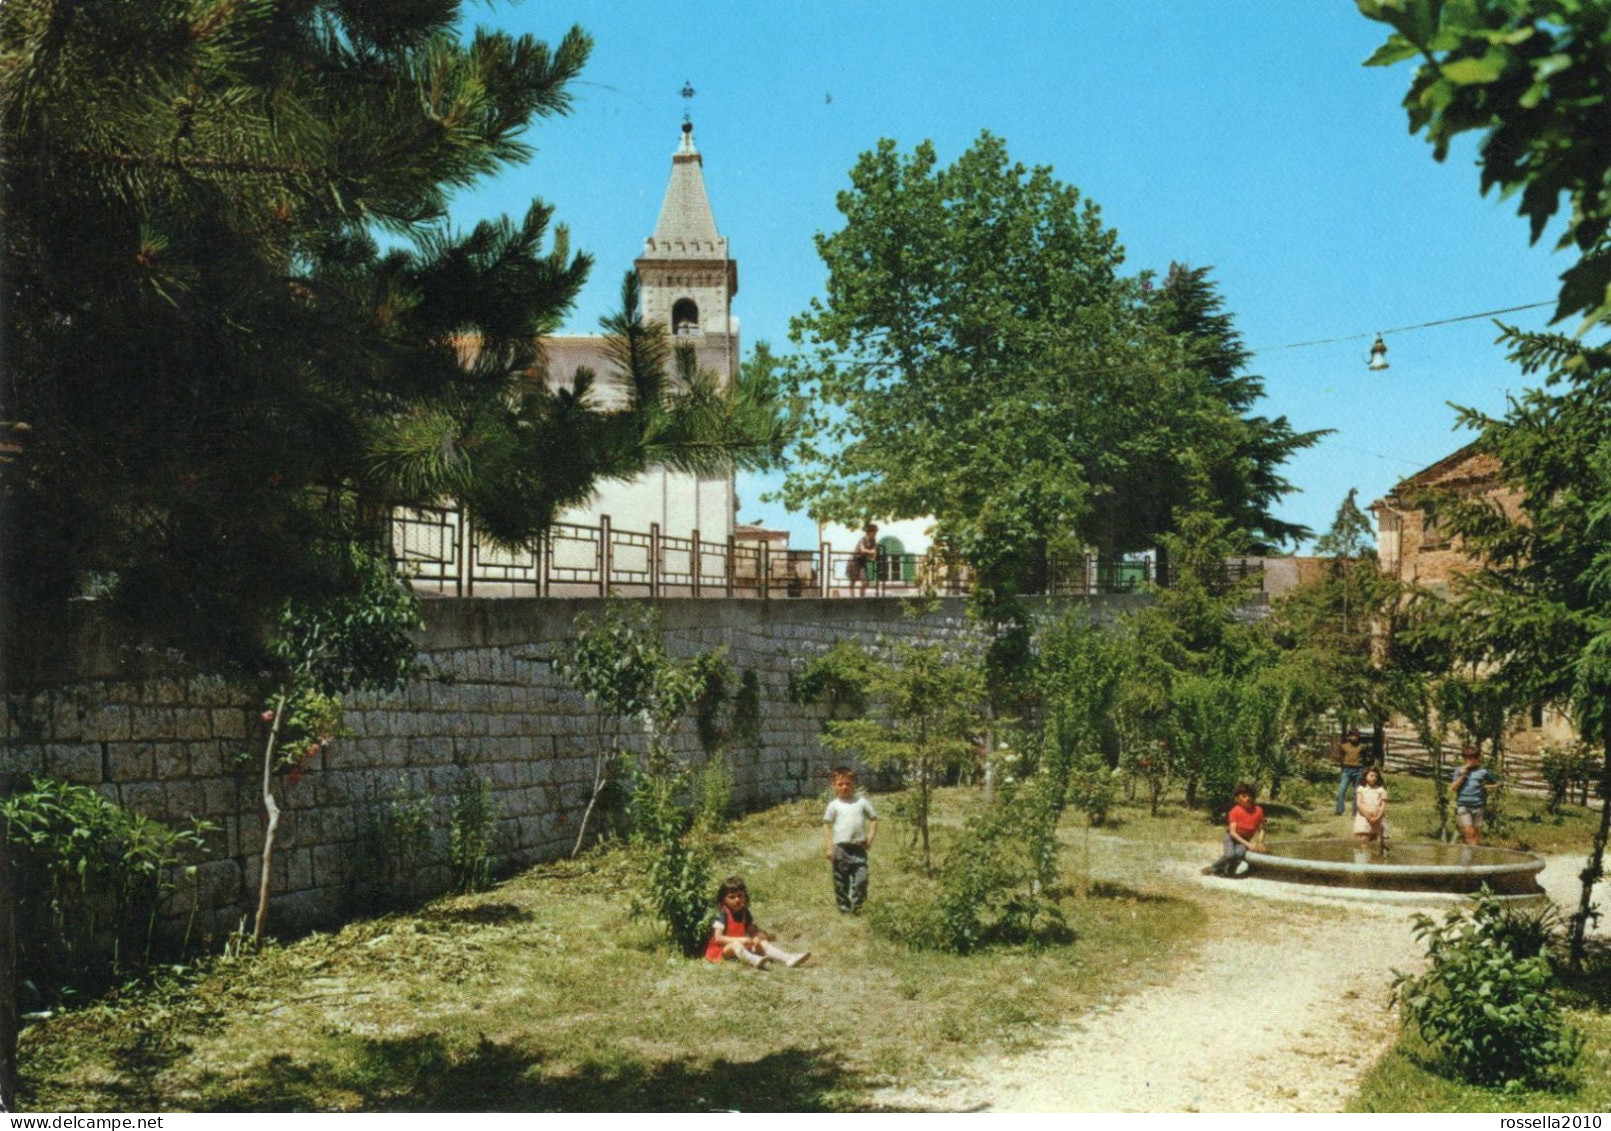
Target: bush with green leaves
[
  {"x": 1485, "y": 1004},
  {"x": 470, "y": 829},
  {"x": 1567, "y": 770},
  {"x": 621, "y": 664},
  {"x": 399, "y": 846},
  {"x": 998, "y": 884},
  {"x": 91, "y": 880},
  {"x": 676, "y": 862}
]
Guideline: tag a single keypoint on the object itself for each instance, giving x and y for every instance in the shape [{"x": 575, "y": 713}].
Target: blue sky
[{"x": 1246, "y": 137}]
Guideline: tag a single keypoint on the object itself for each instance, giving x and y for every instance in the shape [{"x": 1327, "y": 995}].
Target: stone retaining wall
[{"x": 488, "y": 703}]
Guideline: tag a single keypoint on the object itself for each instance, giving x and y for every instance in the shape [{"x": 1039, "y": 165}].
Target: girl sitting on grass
[{"x": 735, "y": 935}]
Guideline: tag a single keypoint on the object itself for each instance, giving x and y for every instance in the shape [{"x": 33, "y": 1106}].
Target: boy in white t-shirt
[{"x": 848, "y": 829}]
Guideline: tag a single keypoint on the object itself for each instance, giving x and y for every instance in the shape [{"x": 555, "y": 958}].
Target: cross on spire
[{"x": 687, "y": 92}]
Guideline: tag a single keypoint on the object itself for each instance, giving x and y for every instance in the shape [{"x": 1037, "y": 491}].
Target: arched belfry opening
[{"x": 684, "y": 317}]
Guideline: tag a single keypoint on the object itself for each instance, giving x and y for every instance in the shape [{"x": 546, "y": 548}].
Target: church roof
[{"x": 686, "y": 228}]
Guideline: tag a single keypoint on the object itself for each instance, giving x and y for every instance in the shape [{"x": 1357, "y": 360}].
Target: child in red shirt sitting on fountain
[{"x": 1243, "y": 824}]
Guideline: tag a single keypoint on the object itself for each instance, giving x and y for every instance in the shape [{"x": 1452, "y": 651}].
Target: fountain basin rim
[{"x": 1526, "y": 862}]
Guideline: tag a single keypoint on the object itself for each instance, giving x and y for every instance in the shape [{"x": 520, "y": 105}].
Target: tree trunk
[
  {"x": 1595, "y": 868},
  {"x": 272, "y": 808}
]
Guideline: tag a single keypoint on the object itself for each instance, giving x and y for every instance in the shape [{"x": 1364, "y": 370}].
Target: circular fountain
[{"x": 1417, "y": 866}]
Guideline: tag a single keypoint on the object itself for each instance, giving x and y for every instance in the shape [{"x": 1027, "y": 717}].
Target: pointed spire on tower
[{"x": 686, "y": 228}]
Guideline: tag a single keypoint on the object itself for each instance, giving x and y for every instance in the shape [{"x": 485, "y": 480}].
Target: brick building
[{"x": 1413, "y": 547}]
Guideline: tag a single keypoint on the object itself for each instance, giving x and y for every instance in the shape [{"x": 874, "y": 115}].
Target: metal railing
[{"x": 441, "y": 552}]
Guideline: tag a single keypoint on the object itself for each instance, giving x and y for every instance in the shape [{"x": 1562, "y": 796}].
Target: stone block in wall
[
  {"x": 105, "y": 722},
  {"x": 169, "y": 760},
  {"x": 218, "y": 798},
  {"x": 209, "y": 759},
  {"x": 182, "y": 802},
  {"x": 73, "y": 761},
  {"x": 154, "y": 724},
  {"x": 332, "y": 863},
  {"x": 192, "y": 723},
  {"x": 143, "y": 797},
  {"x": 162, "y": 692},
  {"x": 22, "y": 759},
  {"x": 229, "y": 723},
  {"x": 216, "y": 883},
  {"x": 66, "y": 719},
  {"x": 28, "y": 717},
  {"x": 298, "y": 910},
  {"x": 299, "y": 870}
]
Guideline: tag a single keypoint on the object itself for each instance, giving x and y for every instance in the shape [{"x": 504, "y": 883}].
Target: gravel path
[{"x": 1282, "y": 1010}]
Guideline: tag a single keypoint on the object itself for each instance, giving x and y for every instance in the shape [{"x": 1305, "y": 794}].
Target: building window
[
  {"x": 684, "y": 317},
  {"x": 1538, "y": 715}
]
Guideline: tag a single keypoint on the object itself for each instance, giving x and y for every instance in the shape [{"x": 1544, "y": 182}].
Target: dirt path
[{"x": 1285, "y": 1015}]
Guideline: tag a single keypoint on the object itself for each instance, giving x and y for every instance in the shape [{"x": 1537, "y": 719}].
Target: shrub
[
  {"x": 470, "y": 834},
  {"x": 715, "y": 795},
  {"x": 677, "y": 868},
  {"x": 399, "y": 845},
  {"x": 1566, "y": 768},
  {"x": 998, "y": 885},
  {"x": 1485, "y": 1004},
  {"x": 90, "y": 879}
]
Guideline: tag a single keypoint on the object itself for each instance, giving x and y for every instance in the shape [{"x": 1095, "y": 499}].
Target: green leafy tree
[
  {"x": 1338, "y": 628},
  {"x": 1535, "y": 618},
  {"x": 979, "y": 358},
  {"x": 928, "y": 715},
  {"x": 320, "y": 651},
  {"x": 1531, "y": 77},
  {"x": 622, "y": 664}
]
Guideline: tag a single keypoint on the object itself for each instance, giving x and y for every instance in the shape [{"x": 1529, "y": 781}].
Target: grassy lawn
[{"x": 547, "y": 993}]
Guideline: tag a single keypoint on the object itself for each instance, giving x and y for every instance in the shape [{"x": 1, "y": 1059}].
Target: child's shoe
[{"x": 756, "y": 960}]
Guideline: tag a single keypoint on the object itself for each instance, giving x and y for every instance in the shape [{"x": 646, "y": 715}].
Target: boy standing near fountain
[{"x": 1470, "y": 789}]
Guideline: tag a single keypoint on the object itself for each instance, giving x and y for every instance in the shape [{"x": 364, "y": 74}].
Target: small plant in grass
[
  {"x": 90, "y": 880},
  {"x": 399, "y": 844},
  {"x": 1485, "y": 1005},
  {"x": 470, "y": 827}
]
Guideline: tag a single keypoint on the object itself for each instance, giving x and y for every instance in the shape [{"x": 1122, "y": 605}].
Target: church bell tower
[{"x": 687, "y": 277}]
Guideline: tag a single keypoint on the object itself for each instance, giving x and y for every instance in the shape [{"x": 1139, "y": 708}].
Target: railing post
[
  {"x": 825, "y": 564},
  {"x": 654, "y": 559},
  {"x": 545, "y": 553},
  {"x": 464, "y": 576},
  {"x": 695, "y": 562},
  {"x": 606, "y": 558},
  {"x": 765, "y": 567},
  {"x": 732, "y": 562}
]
